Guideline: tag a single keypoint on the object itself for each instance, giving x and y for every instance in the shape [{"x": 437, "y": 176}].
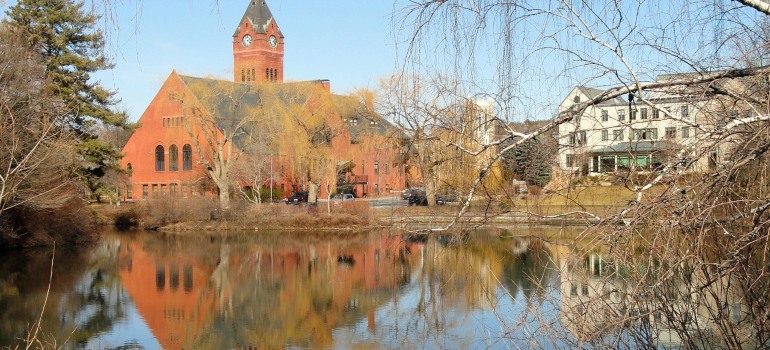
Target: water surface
[{"x": 372, "y": 290}]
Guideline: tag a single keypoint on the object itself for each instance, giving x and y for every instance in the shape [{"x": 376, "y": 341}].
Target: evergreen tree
[
  {"x": 530, "y": 162},
  {"x": 72, "y": 48}
]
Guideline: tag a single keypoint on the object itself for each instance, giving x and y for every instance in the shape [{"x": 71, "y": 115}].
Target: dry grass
[
  {"x": 349, "y": 214},
  {"x": 598, "y": 199},
  {"x": 356, "y": 214},
  {"x": 167, "y": 211}
]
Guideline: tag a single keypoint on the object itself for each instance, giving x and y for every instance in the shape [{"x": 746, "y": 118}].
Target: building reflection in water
[
  {"x": 273, "y": 292},
  {"x": 151, "y": 278},
  {"x": 237, "y": 296},
  {"x": 604, "y": 304}
]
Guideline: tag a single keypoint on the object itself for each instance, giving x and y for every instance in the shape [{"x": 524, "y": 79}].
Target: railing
[{"x": 358, "y": 179}]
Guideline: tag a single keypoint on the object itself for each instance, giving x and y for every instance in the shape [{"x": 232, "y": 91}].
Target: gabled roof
[
  {"x": 589, "y": 92},
  {"x": 367, "y": 122},
  {"x": 593, "y": 93},
  {"x": 259, "y": 15},
  {"x": 227, "y": 100}
]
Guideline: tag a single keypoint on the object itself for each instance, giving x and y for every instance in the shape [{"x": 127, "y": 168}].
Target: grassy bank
[
  {"x": 596, "y": 199},
  {"x": 203, "y": 213}
]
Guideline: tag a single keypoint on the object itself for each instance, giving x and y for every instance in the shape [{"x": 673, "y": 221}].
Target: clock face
[
  {"x": 273, "y": 40},
  {"x": 246, "y": 41}
]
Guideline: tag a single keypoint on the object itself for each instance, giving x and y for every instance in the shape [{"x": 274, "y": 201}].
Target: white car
[{"x": 343, "y": 197}]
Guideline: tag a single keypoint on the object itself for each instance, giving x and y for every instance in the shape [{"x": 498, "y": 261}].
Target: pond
[{"x": 373, "y": 290}]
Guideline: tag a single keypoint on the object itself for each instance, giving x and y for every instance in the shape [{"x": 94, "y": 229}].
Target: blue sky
[
  {"x": 351, "y": 43},
  {"x": 346, "y": 41}
]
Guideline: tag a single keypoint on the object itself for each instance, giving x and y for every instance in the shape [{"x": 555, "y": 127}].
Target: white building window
[
  {"x": 577, "y": 138},
  {"x": 644, "y": 134},
  {"x": 581, "y": 138},
  {"x": 671, "y": 133}
]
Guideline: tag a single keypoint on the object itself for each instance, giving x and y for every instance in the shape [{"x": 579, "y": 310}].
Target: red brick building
[{"x": 168, "y": 153}]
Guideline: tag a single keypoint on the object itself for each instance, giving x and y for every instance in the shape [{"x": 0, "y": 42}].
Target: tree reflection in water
[
  {"x": 375, "y": 288},
  {"x": 642, "y": 301},
  {"x": 86, "y": 297}
]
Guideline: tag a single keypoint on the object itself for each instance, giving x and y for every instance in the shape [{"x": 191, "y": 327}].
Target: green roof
[{"x": 635, "y": 147}]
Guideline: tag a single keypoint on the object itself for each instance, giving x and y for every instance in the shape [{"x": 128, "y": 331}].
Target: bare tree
[
  {"x": 35, "y": 153},
  {"x": 418, "y": 106},
  {"x": 220, "y": 124},
  {"x": 258, "y": 166},
  {"x": 241, "y": 128},
  {"x": 691, "y": 247}
]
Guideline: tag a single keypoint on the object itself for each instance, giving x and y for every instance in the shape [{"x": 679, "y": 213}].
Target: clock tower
[{"x": 257, "y": 46}]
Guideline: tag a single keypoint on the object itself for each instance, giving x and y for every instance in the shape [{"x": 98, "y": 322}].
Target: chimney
[{"x": 326, "y": 84}]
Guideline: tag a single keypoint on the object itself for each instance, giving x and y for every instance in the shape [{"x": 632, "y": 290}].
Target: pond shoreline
[{"x": 399, "y": 221}]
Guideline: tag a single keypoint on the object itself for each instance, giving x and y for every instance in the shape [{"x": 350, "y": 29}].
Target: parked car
[
  {"x": 450, "y": 195},
  {"x": 420, "y": 198},
  {"x": 409, "y": 192},
  {"x": 345, "y": 197},
  {"x": 297, "y": 198}
]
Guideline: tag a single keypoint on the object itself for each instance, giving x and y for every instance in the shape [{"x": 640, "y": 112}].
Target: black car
[
  {"x": 420, "y": 198},
  {"x": 409, "y": 192},
  {"x": 297, "y": 198}
]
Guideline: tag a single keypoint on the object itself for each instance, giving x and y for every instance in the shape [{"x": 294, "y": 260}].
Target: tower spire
[{"x": 258, "y": 46}]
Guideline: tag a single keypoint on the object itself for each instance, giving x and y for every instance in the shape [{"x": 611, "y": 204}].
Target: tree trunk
[
  {"x": 224, "y": 198},
  {"x": 328, "y": 198},
  {"x": 312, "y": 196},
  {"x": 429, "y": 177}
]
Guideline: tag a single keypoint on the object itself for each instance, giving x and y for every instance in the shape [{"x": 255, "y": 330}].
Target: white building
[{"x": 618, "y": 135}]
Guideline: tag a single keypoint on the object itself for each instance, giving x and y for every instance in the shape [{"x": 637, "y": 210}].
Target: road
[{"x": 380, "y": 202}]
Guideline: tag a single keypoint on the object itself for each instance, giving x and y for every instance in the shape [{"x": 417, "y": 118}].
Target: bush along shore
[{"x": 204, "y": 214}]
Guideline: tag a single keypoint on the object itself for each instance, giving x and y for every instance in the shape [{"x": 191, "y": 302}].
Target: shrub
[
  {"x": 360, "y": 209},
  {"x": 28, "y": 227},
  {"x": 166, "y": 211},
  {"x": 264, "y": 194},
  {"x": 128, "y": 216}
]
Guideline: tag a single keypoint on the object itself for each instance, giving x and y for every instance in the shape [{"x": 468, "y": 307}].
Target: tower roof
[{"x": 259, "y": 15}]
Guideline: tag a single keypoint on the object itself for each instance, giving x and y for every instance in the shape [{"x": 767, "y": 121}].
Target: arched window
[
  {"x": 173, "y": 158},
  {"x": 160, "y": 161},
  {"x": 129, "y": 169},
  {"x": 186, "y": 157}
]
